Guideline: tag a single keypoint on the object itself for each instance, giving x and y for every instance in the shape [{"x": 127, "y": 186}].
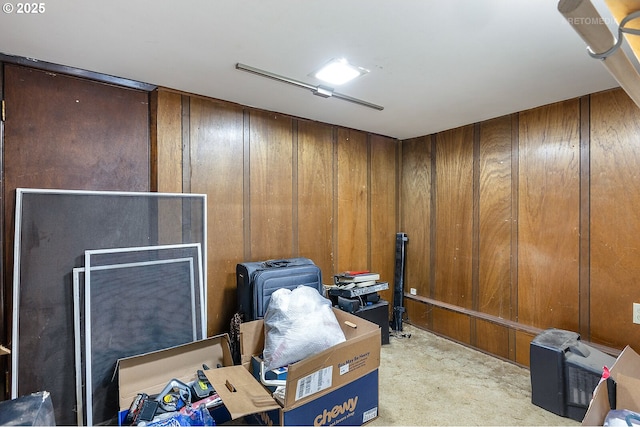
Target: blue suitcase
[{"x": 256, "y": 281}]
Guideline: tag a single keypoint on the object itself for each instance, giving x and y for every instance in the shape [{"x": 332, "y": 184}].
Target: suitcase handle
[{"x": 276, "y": 263}]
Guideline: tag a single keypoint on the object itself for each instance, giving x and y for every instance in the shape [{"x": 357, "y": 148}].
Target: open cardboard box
[
  {"x": 151, "y": 372},
  {"x": 345, "y": 362},
  {"x": 350, "y": 365},
  {"x": 353, "y": 364},
  {"x": 626, "y": 373}
]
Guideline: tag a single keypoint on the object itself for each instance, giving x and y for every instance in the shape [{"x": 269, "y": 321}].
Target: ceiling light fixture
[
  {"x": 339, "y": 71},
  {"x": 323, "y": 91}
]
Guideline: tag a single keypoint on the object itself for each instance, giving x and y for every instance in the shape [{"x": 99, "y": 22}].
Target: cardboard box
[
  {"x": 335, "y": 367},
  {"x": 151, "y": 372},
  {"x": 278, "y": 374},
  {"x": 626, "y": 372},
  {"x": 353, "y": 404},
  {"x": 314, "y": 377},
  {"x": 308, "y": 380}
]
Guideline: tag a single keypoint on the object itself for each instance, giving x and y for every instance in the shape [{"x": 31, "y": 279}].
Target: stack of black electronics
[{"x": 357, "y": 293}]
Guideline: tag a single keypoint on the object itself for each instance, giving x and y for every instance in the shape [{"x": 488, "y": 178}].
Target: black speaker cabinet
[{"x": 377, "y": 313}]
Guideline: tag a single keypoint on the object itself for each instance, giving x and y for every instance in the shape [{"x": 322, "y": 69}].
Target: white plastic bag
[{"x": 298, "y": 323}]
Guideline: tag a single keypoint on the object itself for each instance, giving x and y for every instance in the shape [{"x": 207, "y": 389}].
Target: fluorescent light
[
  {"x": 323, "y": 91},
  {"x": 339, "y": 71}
]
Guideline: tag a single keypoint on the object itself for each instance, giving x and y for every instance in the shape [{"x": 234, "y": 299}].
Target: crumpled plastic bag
[
  {"x": 622, "y": 417},
  {"x": 191, "y": 417},
  {"x": 298, "y": 323}
]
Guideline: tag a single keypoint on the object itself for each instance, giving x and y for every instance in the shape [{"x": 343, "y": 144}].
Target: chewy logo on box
[
  {"x": 348, "y": 407},
  {"x": 352, "y": 404}
]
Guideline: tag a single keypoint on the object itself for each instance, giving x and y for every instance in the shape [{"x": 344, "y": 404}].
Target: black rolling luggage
[{"x": 256, "y": 281}]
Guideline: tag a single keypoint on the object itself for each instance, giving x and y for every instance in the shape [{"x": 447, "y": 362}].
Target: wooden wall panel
[
  {"x": 315, "y": 195},
  {"x": 492, "y": 338},
  {"x": 494, "y": 263},
  {"x": 548, "y": 216},
  {"x": 523, "y": 347},
  {"x": 418, "y": 313},
  {"x": 383, "y": 210},
  {"x": 290, "y": 187},
  {"x": 454, "y": 219},
  {"x": 63, "y": 132},
  {"x": 352, "y": 199},
  {"x": 615, "y": 223},
  {"x": 271, "y": 185},
  {"x": 451, "y": 324},
  {"x": 216, "y": 152},
  {"x": 60, "y": 133},
  {"x": 168, "y": 136},
  {"x": 415, "y": 212},
  {"x": 278, "y": 187}
]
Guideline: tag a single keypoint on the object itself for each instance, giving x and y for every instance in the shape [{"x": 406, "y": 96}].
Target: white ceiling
[{"x": 434, "y": 64}]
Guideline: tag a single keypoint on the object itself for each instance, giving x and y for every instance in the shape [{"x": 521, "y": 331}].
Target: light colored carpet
[{"x": 429, "y": 380}]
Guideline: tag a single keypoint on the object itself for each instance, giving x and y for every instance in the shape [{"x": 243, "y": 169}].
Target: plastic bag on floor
[
  {"x": 190, "y": 417},
  {"x": 298, "y": 323}
]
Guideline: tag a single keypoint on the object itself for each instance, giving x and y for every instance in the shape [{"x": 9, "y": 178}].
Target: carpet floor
[{"x": 429, "y": 380}]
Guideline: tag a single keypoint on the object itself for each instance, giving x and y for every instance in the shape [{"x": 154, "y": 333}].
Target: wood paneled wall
[
  {"x": 59, "y": 133},
  {"x": 526, "y": 222},
  {"x": 515, "y": 224},
  {"x": 615, "y": 219},
  {"x": 548, "y": 216},
  {"x": 277, "y": 187}
]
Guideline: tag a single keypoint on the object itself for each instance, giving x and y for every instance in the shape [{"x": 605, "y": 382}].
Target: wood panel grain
[
  {"x": 65, "y": 132},
  {"x": 523, "y": 347},
  {"x": 415, "y": 212},
  {"x": 494, "y": 264},
  {"x": 492, "y": 338},
  {"x": 315, "y": 195},
  {"x": 353, "y": 210},
  {"x": 271, "y": 185},
  {"x": 168, "y": 135},
  {"x": 216, "y": 150},
  {"x": 454, "y": 218},
  {"x": 383, "y": 210},
  {"x": 453, "y": 325},
  {"x": 548, "y": 214},
  {"x": 418, "y": 313},
  {"x": 71, "y": 133},
  {"x": 615, "y": 223}
]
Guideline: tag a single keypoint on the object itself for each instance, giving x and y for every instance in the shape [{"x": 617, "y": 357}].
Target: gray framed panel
[
  {"x": 78, "y": 328},
  {"x": 96, "y": 360},
  {"x": 168, "y": 297},
  {"x": 168, "y": 288},
  {"x": 97, "y": 258},
  {"x": 53, "y": 229}
]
